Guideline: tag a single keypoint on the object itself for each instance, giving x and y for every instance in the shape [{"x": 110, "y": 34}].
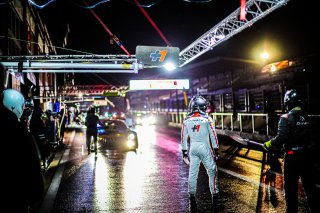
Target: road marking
[{"x": 242, "y": 177}]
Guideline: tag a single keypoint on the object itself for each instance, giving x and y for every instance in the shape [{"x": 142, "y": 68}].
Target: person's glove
[
  {"x": 216, "y": 155},
  {"x": 267, "y": 146},
  {"x": 185, "y": 157}
]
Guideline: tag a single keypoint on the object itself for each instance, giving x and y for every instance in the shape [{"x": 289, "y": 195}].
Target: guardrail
[
  {"x": 223, "y": 120},
  {"x": 254, "y": 126},
  {"x": 253, "y": 116}
]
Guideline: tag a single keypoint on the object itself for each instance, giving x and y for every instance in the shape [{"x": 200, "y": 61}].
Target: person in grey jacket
[{"x": 204, "y": 147}]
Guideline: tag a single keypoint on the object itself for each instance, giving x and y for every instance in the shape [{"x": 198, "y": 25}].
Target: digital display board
[{"x": 159, "y": 84}]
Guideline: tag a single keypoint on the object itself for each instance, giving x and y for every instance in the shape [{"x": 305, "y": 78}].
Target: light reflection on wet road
[{"x": 154, "y": 179}]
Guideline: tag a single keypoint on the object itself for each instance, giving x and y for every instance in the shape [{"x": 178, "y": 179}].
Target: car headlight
[
  {"x": 152, "y": 120},
  {"x": 149, "y": 120},
  {"x": 131, "y": 136},
  {"x": 139, "y": 121},
  {"x": 130, "y": 143}
]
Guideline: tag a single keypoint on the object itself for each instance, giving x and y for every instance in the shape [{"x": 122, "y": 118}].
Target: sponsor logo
[{"x": 302, "y": 122}]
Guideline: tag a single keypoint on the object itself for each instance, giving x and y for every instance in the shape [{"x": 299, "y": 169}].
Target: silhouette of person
[
  {"x": 294, "y": 135},
  {"x": 21, "y": 167}
]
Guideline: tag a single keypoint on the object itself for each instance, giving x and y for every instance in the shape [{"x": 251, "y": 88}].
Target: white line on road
[{"x": 242, "y": 177}]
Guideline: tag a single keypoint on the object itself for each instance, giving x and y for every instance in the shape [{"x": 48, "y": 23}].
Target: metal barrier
[
  {"x": 176, "y": 120},
  {"x": 223, "y": 115},
  {"x": 253, "y": 116}
]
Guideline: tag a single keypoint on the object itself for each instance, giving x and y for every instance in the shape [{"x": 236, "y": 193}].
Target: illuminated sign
[
  {"x": 157, "y": 56},
  {"x": 114, "y": 93},
  {"x": 159, "y": 84},
  {"x": 100, "y": 90}
]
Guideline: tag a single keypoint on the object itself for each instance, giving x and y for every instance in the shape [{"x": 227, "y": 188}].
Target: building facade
[{"x": 23, "y": 33}]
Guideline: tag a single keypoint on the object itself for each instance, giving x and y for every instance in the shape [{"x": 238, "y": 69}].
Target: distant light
[
  {"x": 169, "y": 66},
  {"x": 265, "y": 55},
  {"x": 139, "y": 120},
  {"x": 131, "y": 136},
  {"x": 273, "y": 68}
]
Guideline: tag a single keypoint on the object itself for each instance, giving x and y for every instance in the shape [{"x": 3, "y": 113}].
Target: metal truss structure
[
  {"x": 72, "y": 64},
  {"x": 228, "y": 27}
]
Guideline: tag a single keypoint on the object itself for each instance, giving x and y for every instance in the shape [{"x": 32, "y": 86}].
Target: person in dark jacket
[
  {"x": 293, "y": 135},
  {"x": 92, "y": 130},
  {"x": 21, "y": 170},
  {"x": 39, "y": 131}
]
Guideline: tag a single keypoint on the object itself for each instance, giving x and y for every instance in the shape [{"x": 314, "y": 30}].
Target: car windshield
[{"x": 114, "y": 125}]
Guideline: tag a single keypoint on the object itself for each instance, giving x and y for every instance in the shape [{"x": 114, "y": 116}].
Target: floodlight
[{"x": 169, "y": 66}]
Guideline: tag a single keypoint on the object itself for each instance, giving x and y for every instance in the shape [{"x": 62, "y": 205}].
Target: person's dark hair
[{"x": 92, "y": 110}]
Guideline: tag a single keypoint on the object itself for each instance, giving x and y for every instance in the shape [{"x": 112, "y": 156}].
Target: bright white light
[
  {"x": 169, "y": 66},
  {"x": 131, "y": 137},
  {"x": 130, "y": 143},
  {"x": 149, "y": 120},
  {"x": 152, "y": 120},
  {"x": 265, "y": 55},
  {"x": 138, "y": 121}
]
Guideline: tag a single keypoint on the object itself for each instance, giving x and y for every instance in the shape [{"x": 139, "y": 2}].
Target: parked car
[{"x": 115, "y": 134}]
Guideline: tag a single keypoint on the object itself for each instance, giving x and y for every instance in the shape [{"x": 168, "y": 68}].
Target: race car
[{"x": 115, "y": 134}]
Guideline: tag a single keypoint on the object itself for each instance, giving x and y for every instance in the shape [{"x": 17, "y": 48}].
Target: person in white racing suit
[{"x": 204, "y": 147}]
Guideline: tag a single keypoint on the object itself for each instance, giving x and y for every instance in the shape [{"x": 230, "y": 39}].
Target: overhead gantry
[
  {"x": 228, "y": 27},
  {"x": 72, "y": 64},
  {"x": 225, "y": 29}
]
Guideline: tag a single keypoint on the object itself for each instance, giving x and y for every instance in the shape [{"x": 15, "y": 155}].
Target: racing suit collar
[
  {"x": 195, "y": 114},
  {"x": 296, "y": 109}
]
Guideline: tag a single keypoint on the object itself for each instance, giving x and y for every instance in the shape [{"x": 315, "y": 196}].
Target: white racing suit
[{"x": 199, "y": 127}]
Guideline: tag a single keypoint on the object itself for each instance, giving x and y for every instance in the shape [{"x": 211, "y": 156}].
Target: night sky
[{"x": 288, "y": 32}]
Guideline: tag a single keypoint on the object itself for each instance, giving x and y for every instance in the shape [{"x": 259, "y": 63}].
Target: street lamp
[{"x": 265, "y": 56}]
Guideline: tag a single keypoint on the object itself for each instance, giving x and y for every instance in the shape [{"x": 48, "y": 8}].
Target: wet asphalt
[{"x": 155, "y": 179}]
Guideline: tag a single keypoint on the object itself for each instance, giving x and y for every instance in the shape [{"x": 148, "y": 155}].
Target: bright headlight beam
[
  {"x": 131, "y": 136},
  {"x": 130, "y": 143}
]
